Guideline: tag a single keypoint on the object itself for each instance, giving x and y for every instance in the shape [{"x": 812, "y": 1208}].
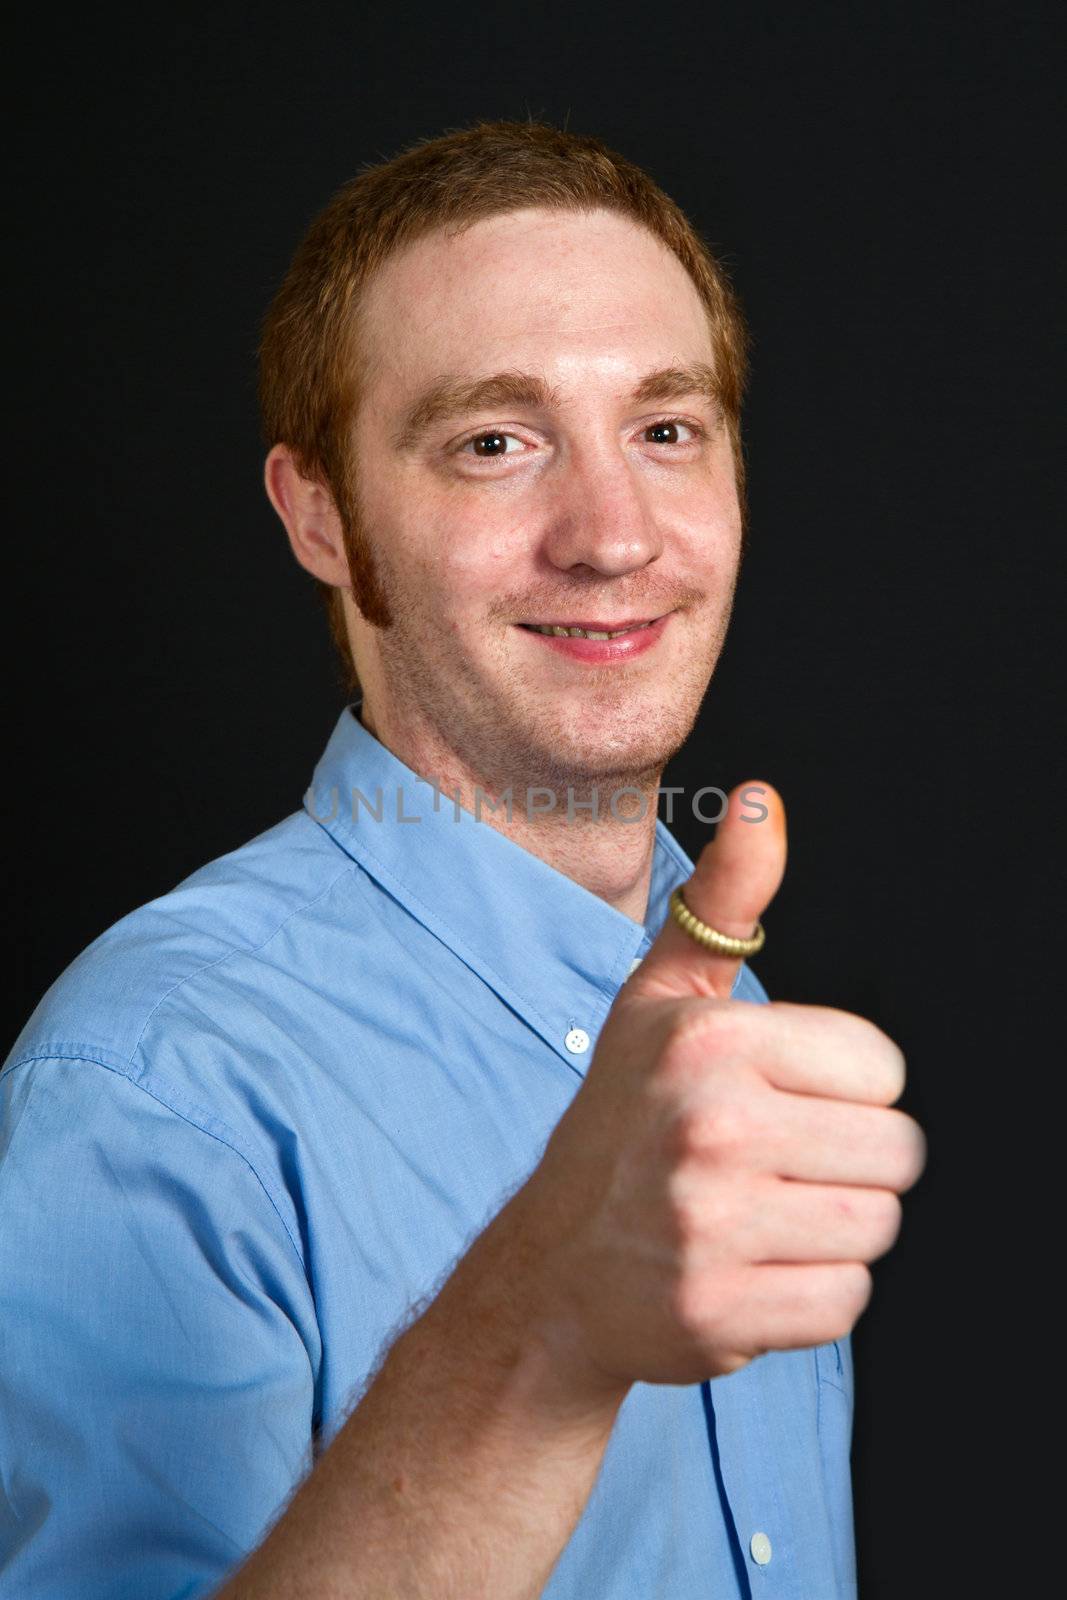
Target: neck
[{"x": 588, "y": 829}]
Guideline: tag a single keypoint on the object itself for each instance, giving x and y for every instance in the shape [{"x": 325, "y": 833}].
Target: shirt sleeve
[{"x": 157, "y": 1344}]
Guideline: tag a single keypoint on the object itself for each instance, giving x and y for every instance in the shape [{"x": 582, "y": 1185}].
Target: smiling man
[
  {"x": 542, "y": 447},
  {"x": 425, "y": 1199}
]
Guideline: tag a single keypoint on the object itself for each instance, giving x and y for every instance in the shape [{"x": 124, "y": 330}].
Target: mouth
[
  {"x": 601, "y": 642},
  {"x": 589, "y": 630}
]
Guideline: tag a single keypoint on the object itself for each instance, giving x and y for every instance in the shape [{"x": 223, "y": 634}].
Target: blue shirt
[{"x": 256, "y": 1123}]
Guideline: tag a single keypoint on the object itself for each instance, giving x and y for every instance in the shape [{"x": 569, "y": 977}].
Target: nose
[{"x": 600, "y": 516}]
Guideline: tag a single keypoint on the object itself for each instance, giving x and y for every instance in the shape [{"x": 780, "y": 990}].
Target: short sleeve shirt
[{"x": 248, "y": 1134}]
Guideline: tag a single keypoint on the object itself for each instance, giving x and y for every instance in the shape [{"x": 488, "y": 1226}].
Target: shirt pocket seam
[{"x": 830, "y": 1380}]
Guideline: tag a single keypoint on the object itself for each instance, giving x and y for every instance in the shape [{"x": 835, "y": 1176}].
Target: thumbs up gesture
[{"x": 727, "y": 1172}]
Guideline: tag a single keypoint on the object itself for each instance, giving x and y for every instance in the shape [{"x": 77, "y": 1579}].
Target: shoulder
[{"x": 99, "y": 1007}]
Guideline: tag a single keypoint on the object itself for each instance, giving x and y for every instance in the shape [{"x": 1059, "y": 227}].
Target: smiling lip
[
  {"x": 625, "y": 647},
  {"x": 590, "y": 627}
]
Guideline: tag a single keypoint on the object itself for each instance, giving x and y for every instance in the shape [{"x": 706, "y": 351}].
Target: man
[{"x": 410, "y": 1202}]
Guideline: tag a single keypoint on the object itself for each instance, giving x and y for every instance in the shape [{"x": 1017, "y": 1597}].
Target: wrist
[{"x": 510, "y": 1289}]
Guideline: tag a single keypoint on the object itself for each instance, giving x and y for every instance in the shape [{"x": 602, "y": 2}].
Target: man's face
[{"x": 565, "y": 494}]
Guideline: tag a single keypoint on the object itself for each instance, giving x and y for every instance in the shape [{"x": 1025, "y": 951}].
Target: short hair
[{"x": 310, "y": 371}]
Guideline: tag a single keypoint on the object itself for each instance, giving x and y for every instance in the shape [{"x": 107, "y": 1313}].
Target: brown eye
[
  {"x": 664, "y": 432},
  {"x": 493, "y": 444},
  {"x": 490, "y": 444}
]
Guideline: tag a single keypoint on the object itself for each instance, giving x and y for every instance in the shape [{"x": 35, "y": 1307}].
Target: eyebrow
[{"x": 453, "y": 396}]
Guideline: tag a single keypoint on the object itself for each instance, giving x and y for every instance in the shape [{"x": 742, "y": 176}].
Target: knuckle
[
  {"x": 699, "y": 1213},
  {"x": 918, "y": 1152},
  {"x": 882, "y": 1056},
  {"x": 886, "y": 1060},
  {"x": 720, "y": 1131},
  {"x": 699, "y": 1309},
  {"x": 909, "y": 1153},
  {"x": 886, "y": 1216},
  {"x": 702, "y": 1028},
  {"x": 857, "y": 1286},
  {"x": 687, "y": 1218},
  {"x": 862, "y": 1289},
  {"x": 895, "y": 1070}
]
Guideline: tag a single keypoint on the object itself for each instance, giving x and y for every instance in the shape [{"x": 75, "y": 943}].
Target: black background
[{"x": 881, "y": 183}]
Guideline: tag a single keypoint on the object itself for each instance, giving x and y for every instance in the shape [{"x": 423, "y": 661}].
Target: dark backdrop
[{"x": 880, "y": 181}]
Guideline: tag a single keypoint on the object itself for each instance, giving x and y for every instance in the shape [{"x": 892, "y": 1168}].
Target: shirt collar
[{"x": 552, "y": 950}]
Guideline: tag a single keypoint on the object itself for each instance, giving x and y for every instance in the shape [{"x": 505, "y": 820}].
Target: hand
[{"x": 725, "y": 1175}]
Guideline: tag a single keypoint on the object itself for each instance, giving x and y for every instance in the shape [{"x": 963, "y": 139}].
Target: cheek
[
  {"x": 481, "y": 546},
  {"x": 707, "y": 532},
  {"x": 712, "y": 520},
  {"x": 456, "y": 575}
]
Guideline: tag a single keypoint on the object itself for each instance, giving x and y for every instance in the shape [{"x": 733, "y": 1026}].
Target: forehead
[{"x": 563, "y": 291}]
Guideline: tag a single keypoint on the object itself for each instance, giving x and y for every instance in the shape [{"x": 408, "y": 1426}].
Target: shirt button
[
  {"x": 634, "y": 964},
  {"x": 760, "y": 1546},
  {"x": 577, "y": 1041}
]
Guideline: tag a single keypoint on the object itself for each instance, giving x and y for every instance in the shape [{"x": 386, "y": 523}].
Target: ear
[{"x": 306, "y": 508}]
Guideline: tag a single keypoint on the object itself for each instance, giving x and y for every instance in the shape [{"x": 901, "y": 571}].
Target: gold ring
[{"x": 721, "y": 943}]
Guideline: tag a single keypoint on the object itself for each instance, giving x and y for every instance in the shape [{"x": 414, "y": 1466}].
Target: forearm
[{"x": 465, "y": 1468}]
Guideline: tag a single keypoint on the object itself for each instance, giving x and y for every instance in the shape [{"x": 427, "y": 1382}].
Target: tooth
[{"x": 553, "y": 630}]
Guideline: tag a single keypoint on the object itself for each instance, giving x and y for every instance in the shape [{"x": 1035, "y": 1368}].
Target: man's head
[{"x": 597, "y": 477}]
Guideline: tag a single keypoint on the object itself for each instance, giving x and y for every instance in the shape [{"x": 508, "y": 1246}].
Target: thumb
[{"x": 736, "y": 876}]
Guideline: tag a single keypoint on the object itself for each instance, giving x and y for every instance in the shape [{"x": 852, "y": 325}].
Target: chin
[{"x": 589, "y": 750}]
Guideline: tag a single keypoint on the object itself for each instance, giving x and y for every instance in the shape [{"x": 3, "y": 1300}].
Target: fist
[{"x": 728, "y": 1171}]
